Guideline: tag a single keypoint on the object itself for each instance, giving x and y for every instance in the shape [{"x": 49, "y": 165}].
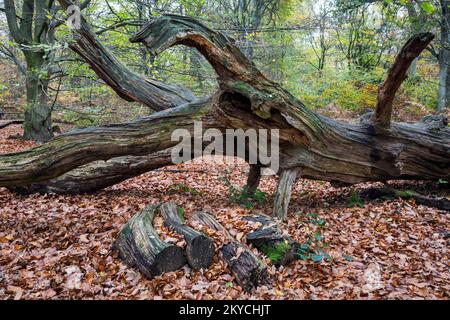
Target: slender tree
[{"x": 33, "y": 29}]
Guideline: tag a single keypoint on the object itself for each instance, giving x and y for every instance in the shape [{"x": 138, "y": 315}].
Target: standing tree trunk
[
  {"x": 444, "y": 58},
  {"x": 38, "y": 120},
  {"x": 32, "y": 34}
]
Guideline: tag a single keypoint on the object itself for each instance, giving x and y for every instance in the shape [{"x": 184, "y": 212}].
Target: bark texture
[
  {"x": 199, "y": 248},
  {"x": 139, "y": 246},
  {"x": 283, "y": 194},
  {"x": 127, "y": 84},
  {"x": 250, "y": 272},
  {"x": 272, "y": 241},
  {"x": 398, "y": 73},
  {"x": 319, "y": 147}
]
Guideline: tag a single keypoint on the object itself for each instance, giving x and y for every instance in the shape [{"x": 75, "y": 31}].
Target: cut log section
[
  {"x": 199, "y": 248},
  {"x": 284, "y": 192},
  {"x": 139, "y": 246},
  {"x": 434, "y": 202},
  {"x": 280, "y": 248},
  {"x": 250, "y": 272}
]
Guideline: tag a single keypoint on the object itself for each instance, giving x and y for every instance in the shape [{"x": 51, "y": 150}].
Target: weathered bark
[
  {"x": 272, "y": 241},
  {"x": 81, "y": 147},
  {"x": 250, "y": 272},
  {"x": 99, "y": 175},
  {"x": 398, "y": 73},
  {"x": 284, "y": 192},
  {"x": 319, "y": 147},
  {"x": 38, "y": 120},
  {"x": 444, "y": 58},
  {"x": 31, "y": 34},
  {"x": 254, "y": 178},
  {"x": 127, "y": 84},
  {"x": 139, "y": 246},
  {"x": 434, "y": 202},
  {"x": 199, "y": 248}
]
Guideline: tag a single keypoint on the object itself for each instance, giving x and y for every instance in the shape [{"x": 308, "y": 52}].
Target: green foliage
[
  {"x": 181, "y": 188},
  {"x": 404, "y": 194},
  {"x": 422, "y": 91},
  {"x": 428, "y": 7},
  {"x": 314, "y": 248},
  {"x": 354, "y": 90},
  {"x": 355, "y": 201},
  {"x": 243, "y": 196},
  {"x": 276, "y": 252}
]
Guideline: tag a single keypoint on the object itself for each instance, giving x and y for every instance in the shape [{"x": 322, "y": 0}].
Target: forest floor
[{"x": 59, "y": 247}]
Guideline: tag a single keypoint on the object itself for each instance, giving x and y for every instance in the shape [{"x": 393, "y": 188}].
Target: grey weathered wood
[
  {"x": 199, "y": 248},
  {"x": 250, "y": 272},
  {"x": 321, "y": 148},
  {"x": 98, "y": 175},
  {"x": 397, "y": 74},
  {"x": 271, "y": 240},
  {"x": 434, "y": 202},
  {"x": 283, "y": 194},
  {"x": 140, "y": 246}
]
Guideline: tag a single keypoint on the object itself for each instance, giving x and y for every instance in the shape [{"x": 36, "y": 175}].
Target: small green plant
[
  {"x": 355, "y": 201},
  {"x": 181, "y": 188},
  {"x": 243, "y": 196},
  {"x": 277, "y": 252},
  {"x": 314, "y": 247},
  {"x": 404, "y": 194}
]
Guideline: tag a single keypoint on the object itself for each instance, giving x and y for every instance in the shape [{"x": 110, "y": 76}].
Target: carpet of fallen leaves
[{"x": 59, "y": 247}]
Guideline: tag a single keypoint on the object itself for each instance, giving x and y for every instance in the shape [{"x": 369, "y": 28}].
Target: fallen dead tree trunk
[
  {"x": 280, "y": 248},
  {"x": 387, "y": 192},
  {"x": 315, "y": 146},
  {"x": 140, "y": 246},
  {"x": 250, "y": 272},
  {"x": 10, "y": 123},
  {"x": 199, "y": 248},
  {"x": 98, "y": 175}
]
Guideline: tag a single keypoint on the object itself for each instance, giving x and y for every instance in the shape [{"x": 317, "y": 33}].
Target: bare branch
[{"x": 397, "y": 74}]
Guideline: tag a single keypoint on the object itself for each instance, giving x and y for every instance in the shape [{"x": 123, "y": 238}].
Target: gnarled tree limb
[
  {"x": 128, "y": 85},
  {"x": 319, "y": 147},
  {"x": 397, "y": 74}
]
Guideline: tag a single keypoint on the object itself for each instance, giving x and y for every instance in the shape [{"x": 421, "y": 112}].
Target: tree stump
[
  {"x": 199, "y": 248},
  {"x": 281, "y": 249},
  {"x": 250, "y": 272},
  {"x": 140, "y": 246}
]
